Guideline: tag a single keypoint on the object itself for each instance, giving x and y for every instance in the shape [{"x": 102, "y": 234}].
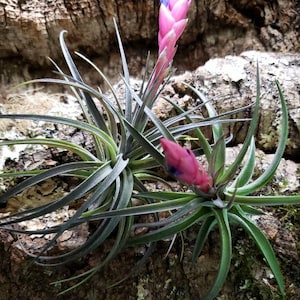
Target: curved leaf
[
  {"x": 92, "y": 109},
  {"x": 218, "y": 134},
  {"x": 197, "y": 213},
  {"x": 226, "y": 252},
  {"x": 267, "y": 175},
  {"x": 106, "y": 139},
  {"x": 247, "y": 170},
  {"x": 83, "y": 188},
  {"x": 46, "y": 174},
  {"x": 80, "y": 151},
  {"x": 230, "y": 172},
  {"x": 265, "y": 200},
  {"x": 263, "y": 244},
  {"x": 205, "y": 229}
]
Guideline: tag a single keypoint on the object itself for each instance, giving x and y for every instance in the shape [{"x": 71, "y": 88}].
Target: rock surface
[{"x": 230, "y": 83}]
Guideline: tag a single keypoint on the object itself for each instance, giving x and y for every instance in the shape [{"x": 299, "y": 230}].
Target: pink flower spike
[
  {"x": 182, "y": 163},
  {"x": 172, "y": 3},
  {"x": 172, "y": 21},
  {"x": 180, "y": 9},
  {"x": 168, "y": 41},
  {"x": 172, "y": 17},
  {"x": 179, "y": 28},
  {"x": 165, "y": 20}
]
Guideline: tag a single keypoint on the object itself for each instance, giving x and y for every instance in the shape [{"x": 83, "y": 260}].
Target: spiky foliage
[{"x": 127, "y": 153}]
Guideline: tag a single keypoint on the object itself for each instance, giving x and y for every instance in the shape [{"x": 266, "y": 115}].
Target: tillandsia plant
[{"x": 129, "y": 153}]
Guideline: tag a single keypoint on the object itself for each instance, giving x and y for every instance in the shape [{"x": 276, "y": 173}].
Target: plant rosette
[{"x": 128, "y": 153}]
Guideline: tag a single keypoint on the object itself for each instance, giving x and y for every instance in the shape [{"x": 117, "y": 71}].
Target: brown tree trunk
[{"x": 29, "y": 30}]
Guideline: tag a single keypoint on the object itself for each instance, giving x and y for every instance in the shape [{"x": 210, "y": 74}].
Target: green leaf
[
  {"x": 80, "y": 151},
  {"x": 218, "y": 134},
  {"x": 226, "y": 252},
  {"x": 76, "y": 92},
  {"x": 197, "y": 213},
  {"x": 263, "y": 244},
  {"x": 143, "y": 164},
  {"x": 151, "y": 176},
  {"x": 267, "y": 175},
  {"x": 46, "y": 174},
  {"x": 128, "y": 97},
  {"x": 159, "y": 127},
  {"x": 216, "y": 167},
  {"x": 205, "y": 229},
  {"x": 72, "y": 83},
  {"x": 173, "y": 217},
  {"x": 112, "y": 124},
  {"x": 106, "y": 227},
  {"x": 165, "y": 196},
  {"x": 92, "y": 109},
  {"x": 106, "y": 139},
  {"x": 247, "y": 170},
  {"x": 98, "y": 214},
  {"x": 150, "y": 94},
  {"x": 230, "y": 172},
  {"x": 202, "y": 139},
  {"x": 249, "y": 209},
  {"x": 83, "y": 188},
  {"x": 146, "y": 144},
  {"x": 122, "y": 201},
  {"x": 182, "y": 129},
  {"x": 265, "y": 200}
]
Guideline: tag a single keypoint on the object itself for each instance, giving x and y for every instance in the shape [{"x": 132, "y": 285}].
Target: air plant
[{"x": 129, "y": 153}]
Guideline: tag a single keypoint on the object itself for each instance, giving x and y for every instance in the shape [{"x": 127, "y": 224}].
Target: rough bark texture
[{"x": 29, "y": 31}]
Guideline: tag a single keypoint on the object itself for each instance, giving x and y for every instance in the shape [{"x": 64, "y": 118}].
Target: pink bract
[{"x": 182, "y": 163}]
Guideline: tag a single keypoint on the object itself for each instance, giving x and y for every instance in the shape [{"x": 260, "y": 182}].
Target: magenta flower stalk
[
  {"x": 172, "y": 21},
  {"x": 182, "y": 163}
]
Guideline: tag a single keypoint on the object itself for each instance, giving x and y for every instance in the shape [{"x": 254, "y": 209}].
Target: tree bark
[{"x": 29, "y": 30}]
